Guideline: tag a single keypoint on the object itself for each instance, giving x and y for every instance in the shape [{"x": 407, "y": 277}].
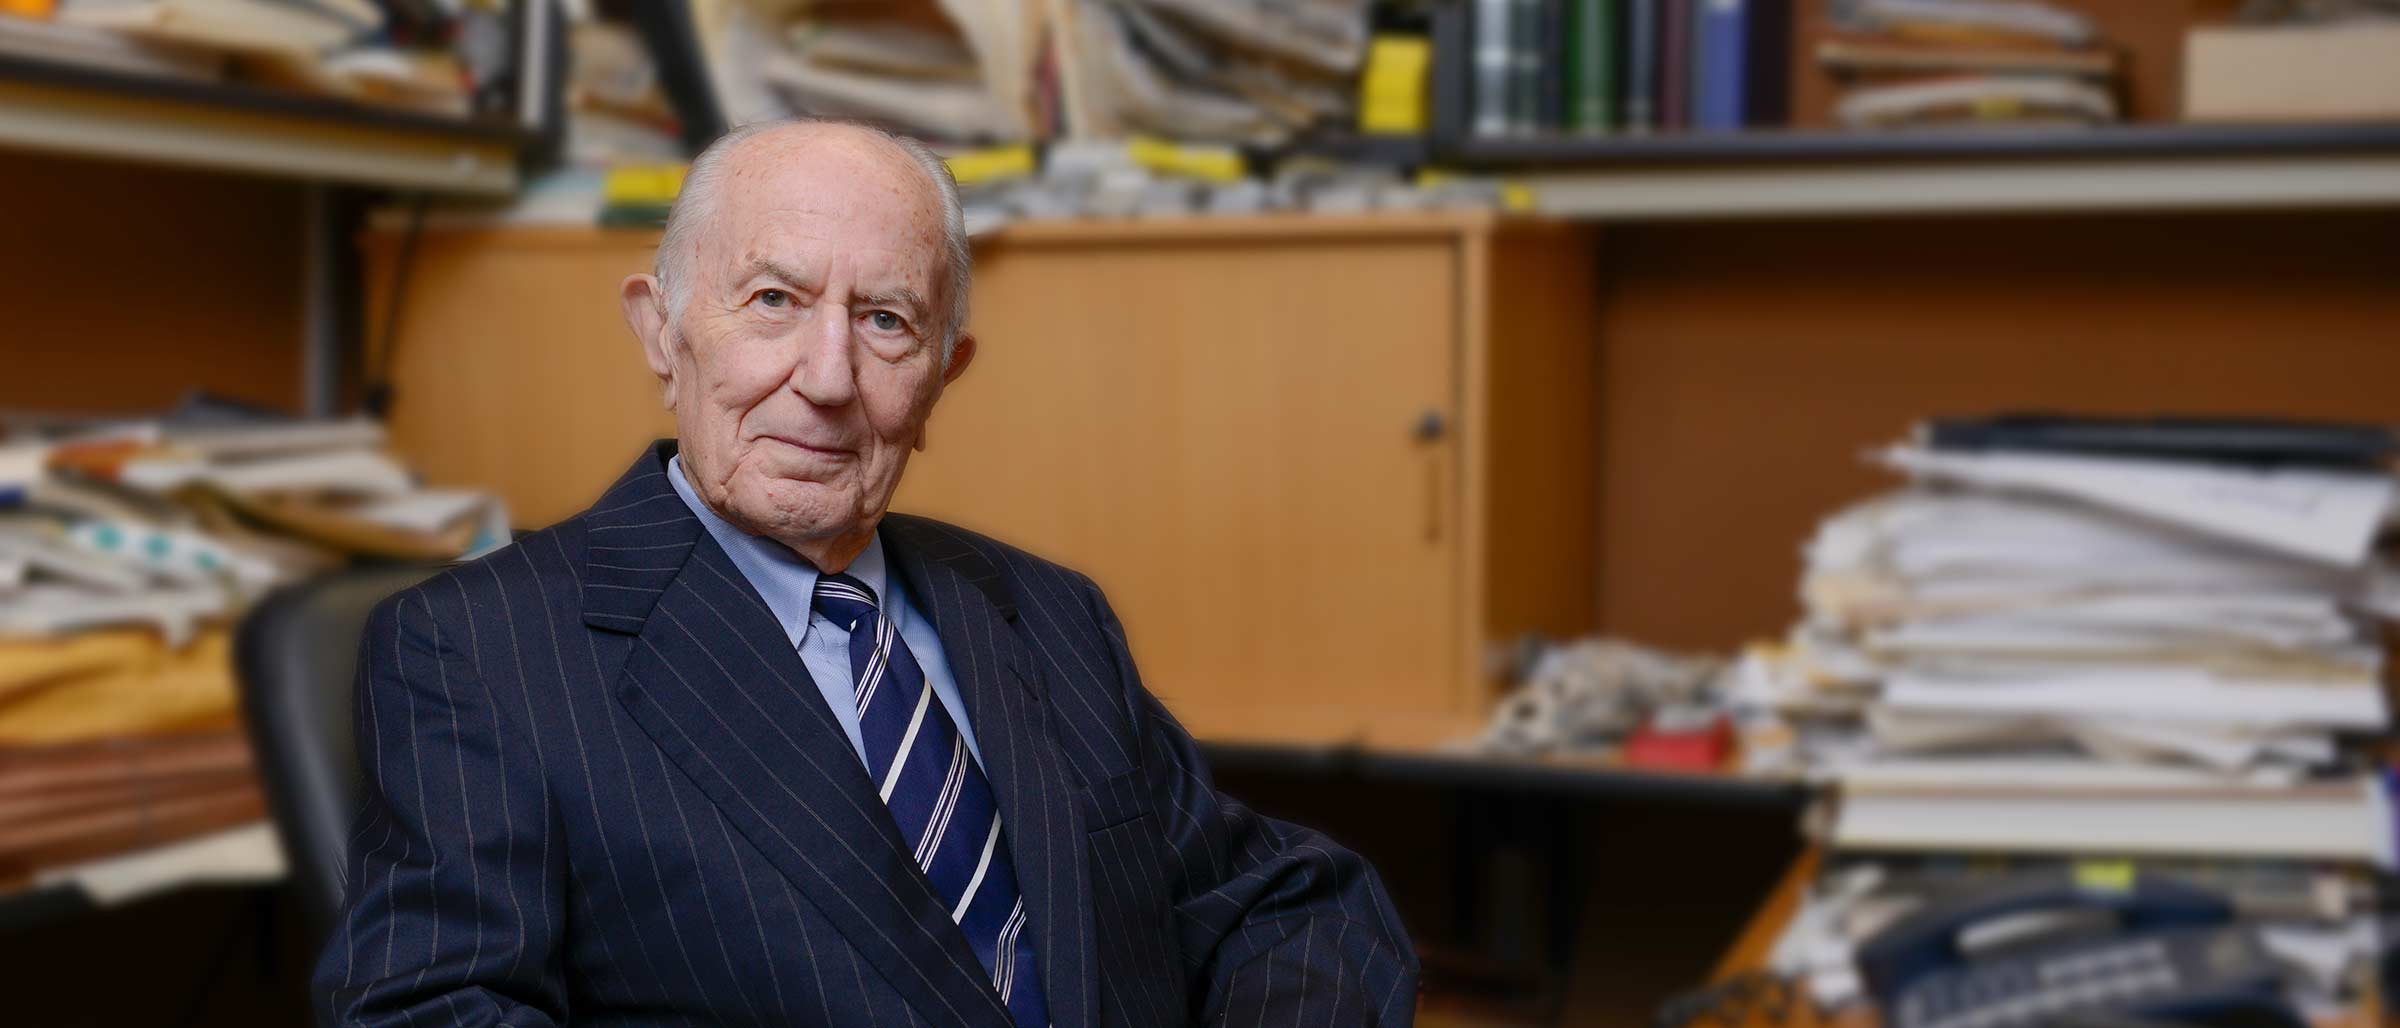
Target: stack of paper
[
  {"x": 1023, "y": 69},
  {"x": 172, "y": 528},
  {"x": 127, "y": 550},
  {"x": 2089, "y": 653}
]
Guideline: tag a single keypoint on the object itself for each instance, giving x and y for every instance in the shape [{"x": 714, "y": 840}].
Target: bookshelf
[{"x": 64, "y": 108}]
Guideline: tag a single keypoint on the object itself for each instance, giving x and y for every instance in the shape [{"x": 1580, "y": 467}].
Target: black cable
[{"x": 378, "y": 398}]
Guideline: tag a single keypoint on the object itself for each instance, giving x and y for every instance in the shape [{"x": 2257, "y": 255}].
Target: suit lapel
[
  {"x": 967, "y": 600},
  {"x": 712, "y": 681}
]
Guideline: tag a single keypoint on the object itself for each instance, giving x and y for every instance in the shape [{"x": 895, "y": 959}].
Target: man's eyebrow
[
  {"x": 770, "y": 267},
  {"x": 901, "y": 297}
]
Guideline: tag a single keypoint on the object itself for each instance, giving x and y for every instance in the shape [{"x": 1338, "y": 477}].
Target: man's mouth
[{"x": 819, "y": 449}]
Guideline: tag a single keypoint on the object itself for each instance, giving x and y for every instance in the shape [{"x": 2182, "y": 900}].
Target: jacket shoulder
[
  {"x": 538, "y": 570},
  {"x": 1030, "y": 580}
]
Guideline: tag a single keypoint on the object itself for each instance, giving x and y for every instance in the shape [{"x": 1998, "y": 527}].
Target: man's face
[{"x": 808, "y": 353}]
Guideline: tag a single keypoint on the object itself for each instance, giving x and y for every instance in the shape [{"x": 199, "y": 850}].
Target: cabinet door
[
  {"x": 1227, "y": 435},
  {"x": 514, "y": 370}
]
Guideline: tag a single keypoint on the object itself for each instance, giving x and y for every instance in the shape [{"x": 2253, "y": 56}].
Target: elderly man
[{"x": 736, "y": 747}]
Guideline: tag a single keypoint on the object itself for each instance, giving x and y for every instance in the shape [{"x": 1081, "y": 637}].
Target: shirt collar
[{"x": 786, "y": 580}]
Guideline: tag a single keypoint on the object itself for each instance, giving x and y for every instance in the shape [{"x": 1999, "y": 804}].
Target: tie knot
[{"x": 844, "y": 600}]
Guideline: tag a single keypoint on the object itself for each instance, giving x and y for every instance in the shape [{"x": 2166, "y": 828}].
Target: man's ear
[
  {"x": 645, "y": 306},
  {"x": 962, "y": 353}
]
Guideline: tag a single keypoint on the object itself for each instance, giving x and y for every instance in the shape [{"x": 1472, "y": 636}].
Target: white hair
[{"x": 696, "y": 204}]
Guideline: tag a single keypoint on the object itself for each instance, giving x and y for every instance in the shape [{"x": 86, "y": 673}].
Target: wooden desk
[
  {"x": 1751, "y": 949},
  {"x": 1427, "y": 750}
]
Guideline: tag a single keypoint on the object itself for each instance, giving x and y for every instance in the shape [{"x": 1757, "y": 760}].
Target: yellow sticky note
[
  {"x": 1209, "y": 163},
  {"x": 990, "y": 164},
  {"x": 2104, "y": 875},
  {"x": 1516, "y": 198},
  {"x": 643, "y": 183}
]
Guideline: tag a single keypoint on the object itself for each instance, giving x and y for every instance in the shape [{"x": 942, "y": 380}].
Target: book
[
  {"x": 1550, "y": 86},
  {"x": 1767, "y": 64},
  {"x": 1450, "y": 87},
  {"x": 1719, "y": 29},
  {"x": 1494, "y": 67},
  {"x": 1641, "y": 44},
  {"x": 1678, "y": 62},
  {"x": 1591, "y": 66},
  {"x": 1525, "y": 67}
]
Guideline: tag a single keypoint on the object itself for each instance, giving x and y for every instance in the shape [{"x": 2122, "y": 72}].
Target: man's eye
[
  {"x": 885, "y": 321},
  {"x": 775, "y": 298}
]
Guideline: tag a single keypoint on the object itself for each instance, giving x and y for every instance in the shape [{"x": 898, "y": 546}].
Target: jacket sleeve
[
  {"x": 1278, "y": 924},
  {"x": 450, "y": 915}
]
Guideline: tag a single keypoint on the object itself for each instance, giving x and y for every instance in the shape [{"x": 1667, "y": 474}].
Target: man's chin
[{"x": 792, "y": 510}]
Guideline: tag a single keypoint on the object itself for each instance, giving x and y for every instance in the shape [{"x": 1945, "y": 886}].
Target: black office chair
[{"x": 297, "y": 656}]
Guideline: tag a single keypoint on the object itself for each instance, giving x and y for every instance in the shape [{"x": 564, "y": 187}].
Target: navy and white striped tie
[{"x": 937, "y": 795}]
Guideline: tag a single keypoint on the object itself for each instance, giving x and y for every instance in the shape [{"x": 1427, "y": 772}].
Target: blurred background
[{"x": 1788, "y": 511}]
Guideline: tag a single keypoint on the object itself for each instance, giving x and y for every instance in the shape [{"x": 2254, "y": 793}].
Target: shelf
[
  {"x": 70, "y": 109},
  {"x": 1788, "y": 174},
  {"x": 1984, "y": 144}
]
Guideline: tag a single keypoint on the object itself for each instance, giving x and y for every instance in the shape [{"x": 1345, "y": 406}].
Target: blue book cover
[{"x": 1719, "y": 28}]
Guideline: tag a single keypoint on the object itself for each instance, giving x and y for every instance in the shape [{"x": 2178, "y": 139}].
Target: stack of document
[
  {"x": 450, "y": 60},
  {"x": 2049, "y": 649},
  {"x": 131, "y": 545},
  {"x": 127, "y": 550},
  {"x": 171, "y": 526},
  {"x": 1014, "y": 70}
]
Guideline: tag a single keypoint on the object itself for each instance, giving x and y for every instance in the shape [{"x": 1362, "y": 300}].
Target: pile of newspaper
[
  {"x": 154, "y": 535},
  {"x": 127, "y": 551},
  {"x": 447, "y": 59},
  {"x": 1232, "y": 70},
  {"x": 2039, "y": 648}
]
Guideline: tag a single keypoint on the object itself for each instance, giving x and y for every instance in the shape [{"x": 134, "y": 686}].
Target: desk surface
[
  {"x": 1427, "y": 751},
  {"x": 1751, "y": 948}
]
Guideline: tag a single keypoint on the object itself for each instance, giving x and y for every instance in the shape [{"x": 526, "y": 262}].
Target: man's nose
[{"x": 826, "y": 374}]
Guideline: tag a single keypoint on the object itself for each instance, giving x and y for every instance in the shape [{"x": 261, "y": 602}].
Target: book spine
[
  {"x": 1450, "y": 87},
  {"x": 1591, "y": 55},
  {"x": 1721, "y": 35},
  {"x": 1551, "y": 73},
  {"x": 1676, "y": 63},
  {"x": 1641, "y": 65},
  {"x": 1767, "y": 65},
  {"x": 1493, "y": 66},
  {"x": 1525, "y": 68}
]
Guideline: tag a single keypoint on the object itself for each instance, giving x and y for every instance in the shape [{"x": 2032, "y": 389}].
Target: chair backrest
[{"x": 297, "y": 656}]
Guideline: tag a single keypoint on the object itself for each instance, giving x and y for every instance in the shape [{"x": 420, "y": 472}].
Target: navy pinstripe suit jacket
[{"x": 601, "y": 789}]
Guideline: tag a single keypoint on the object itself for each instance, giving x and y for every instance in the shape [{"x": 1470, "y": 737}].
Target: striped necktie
[{"x": 937, "y": 795}]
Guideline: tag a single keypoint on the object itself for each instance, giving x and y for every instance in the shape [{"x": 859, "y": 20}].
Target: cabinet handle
[{"x": 1429, "y": 430}]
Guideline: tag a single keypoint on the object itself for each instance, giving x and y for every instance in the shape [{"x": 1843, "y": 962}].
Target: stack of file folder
[{"x": 2143, "y": 638}]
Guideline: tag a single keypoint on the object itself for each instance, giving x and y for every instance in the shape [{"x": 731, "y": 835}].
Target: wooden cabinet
[{"x": 1318, "y": 464}]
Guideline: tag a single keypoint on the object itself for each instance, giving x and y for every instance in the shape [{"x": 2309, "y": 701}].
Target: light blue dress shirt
[{"x": 788, "y": 583}]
